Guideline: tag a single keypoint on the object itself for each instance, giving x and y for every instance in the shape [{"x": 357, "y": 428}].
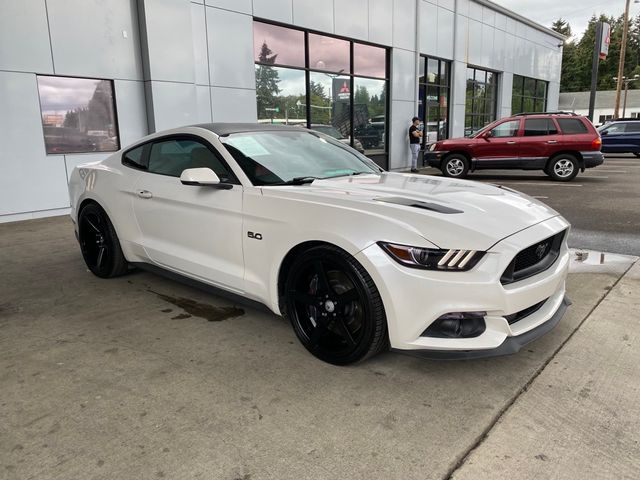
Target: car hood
[{"x": 447, "y": 212}]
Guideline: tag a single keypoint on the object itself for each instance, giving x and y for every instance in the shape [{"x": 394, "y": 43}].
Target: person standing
[{"x": 415, "y": 136}]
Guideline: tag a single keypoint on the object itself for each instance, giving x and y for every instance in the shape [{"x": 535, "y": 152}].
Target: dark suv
[
  {"x": 621, "y": 136},
  {"x": 558, "y": 143}
]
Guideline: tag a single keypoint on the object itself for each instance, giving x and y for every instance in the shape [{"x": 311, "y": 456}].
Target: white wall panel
[
  {"x": 509, "y": 52},
  {"x": 511, "y": 26},
  {"x": 203, "y": 104},
  {"x": 457, "y": 128},
  {"x": 174, "y": 104},
  {"x": 230, "y": 48},
  {"x": 445, "y": 33},
  {"x": 488, "y": 16},
  {"x": 428, "y": 28},
  {"x": 448, "y": 4},
  {"x": 475, "y": 11},
  {"x": 242, "y": 6},
  {"x": 403, "y": 75},
  {"x": 29, "y": 179},
  {"x": 314, "y": 14},
  {"x": 404, "y": 24},
  {"x": 169, "y": 40},
  {"x": 278, "y": 10},
  {"x": 401, "y": 114},
  {"x": 131, "y": 110},
  {"x": 487, "y": 46},
  {"x": 553, "y": 95},
  {"x": 381, "y": 21},
  {"x": 352, "y": 19},
  {"x": 498, "y": 49},
  {"x": 95, "y": 39},
  {"x": 501, "y": 21},
  {"x": 463, "y": 7},
  {"x": 474, "y": 42},
  {"x": 199, "y": 37},
  {"x": 233, "y": 105},
  {"x": 505, "y": 93},
  {"x": 24, "y": 36},
  {"x": 462, "y": 34}
]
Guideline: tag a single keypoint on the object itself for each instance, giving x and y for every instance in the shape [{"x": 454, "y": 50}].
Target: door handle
[
  {"x": 144, "y": 194},
  {"x": 511, "y": 142},
  {"x": 552, "y": 141}
]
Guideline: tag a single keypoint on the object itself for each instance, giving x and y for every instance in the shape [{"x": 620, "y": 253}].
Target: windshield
[
  {"x": 328, "y": 130},
  {"x": 280, "y": 157}
]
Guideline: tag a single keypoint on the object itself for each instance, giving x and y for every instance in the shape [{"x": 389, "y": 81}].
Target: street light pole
[{"x": 623, "y": 51}]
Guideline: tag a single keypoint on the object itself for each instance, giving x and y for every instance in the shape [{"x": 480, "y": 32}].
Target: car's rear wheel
[
  {"x": 562, "y": 168},
  {"x": 334, "y": 306},
  {"x": 455, "y": 166},
  {"x": 99, "y": 243}
]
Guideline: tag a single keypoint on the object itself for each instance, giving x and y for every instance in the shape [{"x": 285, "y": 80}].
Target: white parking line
[
  {"x": 539, "y": 197},
  {"x": 550, "y": 184},
  {"x": 605, "y": 170},
  {"x": 595, "y": 176}
]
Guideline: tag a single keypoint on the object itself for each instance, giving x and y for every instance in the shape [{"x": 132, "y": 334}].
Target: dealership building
[{"x": 79, "y": 79}]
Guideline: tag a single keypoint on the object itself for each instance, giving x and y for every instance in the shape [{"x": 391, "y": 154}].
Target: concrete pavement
[{"x": 143, "y": 378}]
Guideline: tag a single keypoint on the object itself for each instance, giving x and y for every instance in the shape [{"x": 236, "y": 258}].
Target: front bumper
[
  {"x": 592, "y": 159},
  {"x": 434, "y": 158},
  {"x": 510, "y": 346},
  {"x": 414, "y": 299}
]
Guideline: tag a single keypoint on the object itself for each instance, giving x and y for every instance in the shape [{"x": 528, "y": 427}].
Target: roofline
[{"x": 520, "y": 18}]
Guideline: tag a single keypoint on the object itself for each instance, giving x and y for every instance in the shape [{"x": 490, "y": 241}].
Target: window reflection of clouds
[
  {"x": 286, "y": 43},
  {"x": 60, "y": 94},
  {"x": 327, "y": 53},
  {"x": 369, "y": 60}
]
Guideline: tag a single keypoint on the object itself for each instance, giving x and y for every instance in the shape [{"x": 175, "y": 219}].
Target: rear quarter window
[
  {"x": 572, "y": 125},
  {"x": 134, "y": 158}
]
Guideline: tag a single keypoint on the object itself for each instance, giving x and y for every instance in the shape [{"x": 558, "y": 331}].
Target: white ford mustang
[{"x": 358, "y": 259}]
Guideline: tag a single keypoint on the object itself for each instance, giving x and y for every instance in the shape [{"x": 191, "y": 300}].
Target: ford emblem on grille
[{"x": 540, "y": 250}]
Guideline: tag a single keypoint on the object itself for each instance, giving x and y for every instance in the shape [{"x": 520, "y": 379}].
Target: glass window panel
[
  {"x": 506, "y": 129},
  {"x": 433, "y": 71},
  {"x": 534, "y": 127},
  {"x": 538, "y": 105},
  {"x": 172, "y": 157},
  {"x": 470, "y": 74},
  {"x": 421, "y": 101},
  {"x": 330, "y": 102},
  {"x": 369, "y": 60},
  {"x": 327, "y": 53},
  {"x": 78, "y": 115},
  {"x": 573, "y": 125},
  {"x": 278, "y": 45},
  {"x": 444, "y": 73},
  {"x": 421, "y": 71},
  {"x": 280, "y": 95},
  {"x": 541, "y": 89},
  {"x": 369, "y": 115},
  {"x": 529, "y": 87},
  {"x": 527, "y": 104}
]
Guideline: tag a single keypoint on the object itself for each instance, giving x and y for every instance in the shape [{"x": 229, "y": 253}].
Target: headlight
[
  {"x": 432, "y": 147},
  {"x": 432, "y": 258}
]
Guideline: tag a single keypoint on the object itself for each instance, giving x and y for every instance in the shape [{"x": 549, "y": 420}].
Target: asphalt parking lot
[
  {"x": 602, "y": 204},
  {"x": 141, "y": 377}
]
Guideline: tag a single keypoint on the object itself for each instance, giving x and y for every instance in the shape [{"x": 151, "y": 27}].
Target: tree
[
  {"x": 266, "y": 81},
  {"x": 562, "y": 26}
]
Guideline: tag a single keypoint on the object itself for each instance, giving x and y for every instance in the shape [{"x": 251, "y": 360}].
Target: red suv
[{"x": 558, "y": 143}]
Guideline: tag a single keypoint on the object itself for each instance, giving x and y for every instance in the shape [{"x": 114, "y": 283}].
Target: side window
[
  {"x": 506, "y": 129},
  {"x": 133, "y": 158},
  {"x": 172, "y": 157},
  {"x": 633, "y": 127},
  {"x": 572, "y": 125},
  {"x": 617, "y": 128},
  {"x": 534, "y": 127}
]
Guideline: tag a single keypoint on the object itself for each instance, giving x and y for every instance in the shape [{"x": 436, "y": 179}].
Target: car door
[
  {"x": 190, "y": 229},
  {"x": 498, "y": 149},
  {"x": 539, "y": 141},
  {"x": 614, "y": 138}
]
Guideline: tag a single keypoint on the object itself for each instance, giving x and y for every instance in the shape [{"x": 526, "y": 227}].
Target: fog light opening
[{"x": 457, "y": 325}]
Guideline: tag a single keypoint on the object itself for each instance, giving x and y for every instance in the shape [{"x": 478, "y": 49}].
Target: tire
[
  {"x": 455, "y": 166},
  {"x": 99, "y": 243},
  {"x": 562, "y": 168},
  {"x": 334, "y": 306}
]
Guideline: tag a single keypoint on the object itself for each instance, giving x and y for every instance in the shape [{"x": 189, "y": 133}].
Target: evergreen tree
[{"x": 266, "y": 81}]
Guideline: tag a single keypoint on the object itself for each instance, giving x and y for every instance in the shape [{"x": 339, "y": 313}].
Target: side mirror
[
  {"x": 487, "y": 135},
  {"x": 204, "y": 177},
  {"x": 604, "y": 132}
]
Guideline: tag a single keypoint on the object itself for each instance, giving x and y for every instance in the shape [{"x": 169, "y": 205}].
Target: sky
[{"x": 577, "y": 12}]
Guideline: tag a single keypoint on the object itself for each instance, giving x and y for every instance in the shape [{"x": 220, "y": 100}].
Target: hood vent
[{"x": 408, "y": 202}]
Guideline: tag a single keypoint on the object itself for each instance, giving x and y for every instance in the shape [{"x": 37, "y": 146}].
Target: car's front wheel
[
  {"x": 334, "y": 306},
  {"x": 455, "y": 166},
  {"x": 562, "y": 168},
  {"x": 99, "y": 243}
]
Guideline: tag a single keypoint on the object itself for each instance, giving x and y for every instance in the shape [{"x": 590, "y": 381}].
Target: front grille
[
  {"x": 516, "y": 317},
  {"x": 534, "y": 259}
]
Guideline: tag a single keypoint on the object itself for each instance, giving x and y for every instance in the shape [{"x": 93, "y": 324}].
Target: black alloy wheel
[
  {"x": 99, "y": 243},
  {"x": 334, "y": 306}
]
